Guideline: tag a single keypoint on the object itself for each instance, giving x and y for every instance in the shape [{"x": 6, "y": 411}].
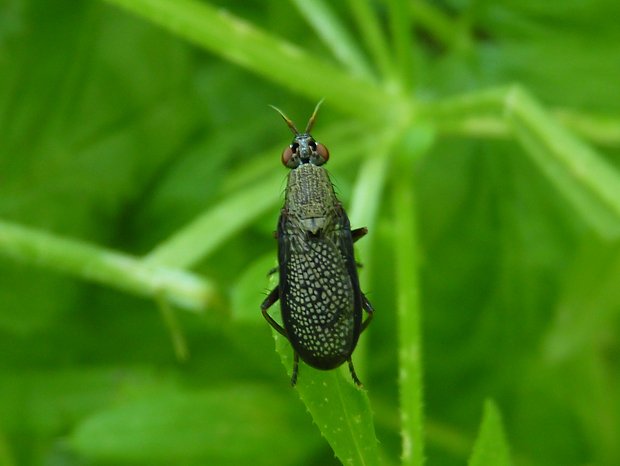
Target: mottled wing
[{"x": 319, "y": 291}]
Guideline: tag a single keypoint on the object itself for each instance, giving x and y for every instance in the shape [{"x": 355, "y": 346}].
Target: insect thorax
[{"x": 310, "y": 198}]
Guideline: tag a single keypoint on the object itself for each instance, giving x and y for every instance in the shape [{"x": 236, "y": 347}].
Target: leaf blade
[{"x": 491, "y": 447}]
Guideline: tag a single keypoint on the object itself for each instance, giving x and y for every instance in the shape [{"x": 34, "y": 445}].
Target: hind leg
[
  {"x": 369, "y": 310},
  {"x": 356, "y": 380},
  {"x": 295, "y": 368}
]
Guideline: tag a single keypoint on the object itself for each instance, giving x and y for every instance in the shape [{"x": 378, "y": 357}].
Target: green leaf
[
  {"x": 340, "y": 410},
  {"x": 255, "y": 49},
  {"x": 490, "y": 448},
  {"x": 334, "y": 35},
  {"x": 216, "y": 426}
]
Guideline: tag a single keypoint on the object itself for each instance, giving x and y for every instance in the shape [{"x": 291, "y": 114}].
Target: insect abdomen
[{"x": 319, "y": 304}]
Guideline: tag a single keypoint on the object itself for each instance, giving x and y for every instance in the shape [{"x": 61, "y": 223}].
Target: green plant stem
[
  {"x": 597, "y": 129},
  {"x": 241, "y": 42},
  {"x": 179, "y": 343},
  {"x": 99, "y": 265},
  {"x": 368, "y": 191},
  {"x": 408, "y": 312},
  {"x": 366, "y": 199},
  {"x": 580, "y": 174}
]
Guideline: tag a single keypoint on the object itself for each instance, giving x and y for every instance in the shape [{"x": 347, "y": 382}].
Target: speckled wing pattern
[{"x": 319, "y": 290}]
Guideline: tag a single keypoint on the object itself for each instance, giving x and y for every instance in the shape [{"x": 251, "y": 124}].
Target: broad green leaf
[
  {"x": 216, "y": 426},
  {"x": 340, "y": 410}
]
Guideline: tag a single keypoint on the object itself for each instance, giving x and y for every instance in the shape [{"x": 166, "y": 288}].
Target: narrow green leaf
[
  {"x": 403, "y": 41},
  {"x": 490, "y": 448},
  {"x": 244, "y": 44},
  {"x": 334, "y": 35},
  {"x": 100, "y": 265},
  {"x": 204, "y": 234},
  {"x": 430, "y": 17},
  {"x": 372, "y": 33}
]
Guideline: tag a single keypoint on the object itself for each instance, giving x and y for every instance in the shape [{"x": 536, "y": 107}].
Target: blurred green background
[{"x": 119, "y": 133}]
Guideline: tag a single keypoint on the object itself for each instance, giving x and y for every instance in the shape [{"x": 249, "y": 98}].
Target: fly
[{"x": 319, "y": 292}]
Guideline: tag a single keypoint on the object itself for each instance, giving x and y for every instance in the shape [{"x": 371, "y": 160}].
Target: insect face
[{"x": 304, "y": 149}]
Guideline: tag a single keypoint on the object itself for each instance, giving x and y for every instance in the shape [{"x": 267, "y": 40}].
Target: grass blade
[
  {"x": 402, "y": 40},
  {"x": 334, "y": 35},
  {"x": 373, "y": 35}
]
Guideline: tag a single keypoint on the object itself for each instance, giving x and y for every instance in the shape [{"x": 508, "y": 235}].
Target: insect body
[{"x": 319, "y": 290}]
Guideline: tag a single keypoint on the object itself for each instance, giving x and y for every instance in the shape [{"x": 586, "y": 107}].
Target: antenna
[
  {"x": 288, "y": 121},
  {"x": 313, "y": 117}
]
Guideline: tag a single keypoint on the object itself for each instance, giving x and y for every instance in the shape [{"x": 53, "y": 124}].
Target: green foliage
[
  {"x": 490, "y": 446},
  {"x": 478, "y": 142}
]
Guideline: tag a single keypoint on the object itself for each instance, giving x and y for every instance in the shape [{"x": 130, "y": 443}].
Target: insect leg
[
  {"x": 369, "y": 310},
  {"x": 358, "y": 233},
  {"x": 295, "y": 368},
  {"x": 353, "y": 374},
  {"x": 267, "y": 303}
]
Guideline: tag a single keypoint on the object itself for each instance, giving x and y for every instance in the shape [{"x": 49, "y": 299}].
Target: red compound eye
[
  {"x": 322, "y": 151},
  {"x": 287, "y": 155}
]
